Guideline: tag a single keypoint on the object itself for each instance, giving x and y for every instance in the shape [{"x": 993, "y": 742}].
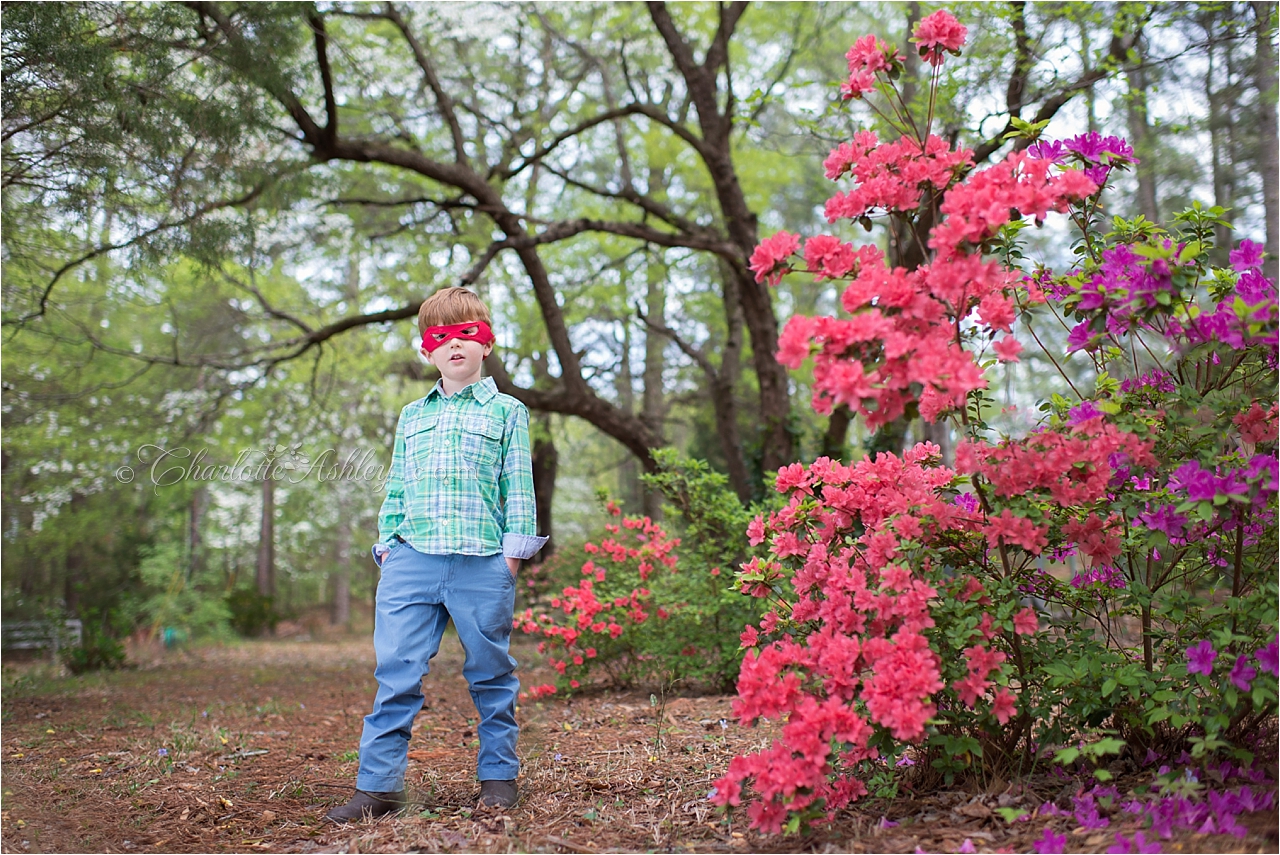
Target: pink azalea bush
[
  {"x": 642, "y": 605},
  {"x": 908, "y": 604}
]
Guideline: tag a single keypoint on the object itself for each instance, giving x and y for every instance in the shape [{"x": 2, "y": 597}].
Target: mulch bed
[{"x": 243, "y": 748}]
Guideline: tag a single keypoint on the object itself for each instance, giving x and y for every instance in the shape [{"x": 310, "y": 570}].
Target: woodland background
[{"x": 219, "y": 220}]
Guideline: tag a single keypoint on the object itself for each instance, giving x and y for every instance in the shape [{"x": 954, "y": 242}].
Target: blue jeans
[{"x": 417, "y": 595}]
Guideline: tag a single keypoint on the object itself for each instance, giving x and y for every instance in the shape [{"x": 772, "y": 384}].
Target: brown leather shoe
[
  {"x": 367, "y": 806},
  {"x": 499, "y": 794}
]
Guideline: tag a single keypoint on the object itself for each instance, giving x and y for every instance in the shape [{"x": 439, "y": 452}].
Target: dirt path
[{"x": 242, "y": 749}]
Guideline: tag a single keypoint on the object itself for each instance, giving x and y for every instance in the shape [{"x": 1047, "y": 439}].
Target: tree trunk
[
  {"x": 740, "y": 223},
  {"x": 653, "y": 405},
  {"x": 939, "y": 433},
  {"x": 340, "y": 605},
  {"x": 195, "y": 541},
  {"x": 1140, "y": 138},
  {"x": 266, "y": 570},
  {"x": 624, "y": 386},
  {"x": 1268, "y": 156},
  {"x": 1090, "y": 94},
  {"x": 1216, "y": 115},
  {"x": 835, "y": 442},
  {"x": 546, "y": 461}
]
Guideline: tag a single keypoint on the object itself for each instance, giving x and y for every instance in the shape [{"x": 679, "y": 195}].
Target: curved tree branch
[
  {"x": 443, "y": 101},
  {"x": 316, "y": 22},
  {"x": 138, "y": 238}
]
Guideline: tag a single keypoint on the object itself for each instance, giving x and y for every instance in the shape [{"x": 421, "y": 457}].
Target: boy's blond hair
[{"x": 452, "y": 305}]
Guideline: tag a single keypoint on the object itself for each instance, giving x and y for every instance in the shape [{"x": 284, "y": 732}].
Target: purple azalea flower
[
  {"x": 1079, "y": 337},
  {"x": 1086, "y": 812},
  {"x": 1161, "y": 381},
  {"x": 1138, "y": 843},
  {"x": 1242, "y": 673},
  {"x": 1200, "y": 657},
  {"x": 1120, "y": 259},
  {"x": 1246, "y": 256},
  {"x": 1267, "y": 657},
  {"x": 1164, "y": 518},
  {"x": 1052, "y": 151},
  {"x": 1097, "y": 174},
  {"x": 1082, "y": 412},
  {"x": 1199, "y": 484},
  {"x": 1266, "y": 468},
  {"x": 1118, "y": 322},
  {"x": 1256, "y": 290},
  {"x": 968, "y": 501},
  {"x": 1095, "y": 148},
  {"x": 1232, "y": 483},
  {"x": 1050, "y": 842},
  {"x": 1088, "y": 146},
  {"x": 1093, "y": 294},
  {"x": 1111, "y": 577},
  {"x": 967, "y": 846}
]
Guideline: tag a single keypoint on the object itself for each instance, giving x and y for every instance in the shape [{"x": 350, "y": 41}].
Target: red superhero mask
[{"x": 433, "y": 337}]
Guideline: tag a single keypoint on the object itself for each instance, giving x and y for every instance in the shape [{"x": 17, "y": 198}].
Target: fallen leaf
[
  {"x": 268, "y": 816},
  {"x": 975, "y": 809},
  {"x": 186, "y": 812},
  {"x": 226, "y": 803}
]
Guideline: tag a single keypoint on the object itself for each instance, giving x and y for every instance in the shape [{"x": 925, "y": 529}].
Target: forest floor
[{"x": 243, "y": 748}]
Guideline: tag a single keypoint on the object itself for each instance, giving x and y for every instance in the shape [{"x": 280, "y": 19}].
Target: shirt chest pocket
[
  {"x": 481, "y": 441},
  {"x": 421, "y": 444}
]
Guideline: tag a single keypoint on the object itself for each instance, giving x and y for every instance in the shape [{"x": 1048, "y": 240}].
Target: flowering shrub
[
  {"x": 909, "y": 602},
  {"x": 646, "y": 609}
]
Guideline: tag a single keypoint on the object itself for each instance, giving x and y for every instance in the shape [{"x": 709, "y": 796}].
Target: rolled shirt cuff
[{"x": 521, "y": 546}]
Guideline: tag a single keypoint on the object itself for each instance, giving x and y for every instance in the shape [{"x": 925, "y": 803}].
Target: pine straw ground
[{"x": 261, "y": 738}]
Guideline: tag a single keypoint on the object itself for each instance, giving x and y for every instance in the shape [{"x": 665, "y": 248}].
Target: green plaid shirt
[{"x": 461, "y": 480}]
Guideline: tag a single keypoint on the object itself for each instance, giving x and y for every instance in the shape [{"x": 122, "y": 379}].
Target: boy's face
[{"x": 459, "y": 360}]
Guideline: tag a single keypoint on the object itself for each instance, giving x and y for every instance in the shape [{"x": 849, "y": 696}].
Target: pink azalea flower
[
  {"x": 1007, "y": 349},
  {"x": 1005, "y": 706},
  {"x": 1026, "y": 622},
  {"x": 937, "y": 33},
  {"x": 769, "y": 259}
]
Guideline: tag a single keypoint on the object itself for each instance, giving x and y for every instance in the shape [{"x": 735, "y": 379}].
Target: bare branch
[
  {"x": 718, "y": 53},
  {"x": 111, "y": 247},
  {"x": 476, "y": 269},
  {"x": 643, "y": 201},
  {"x": 685, "y": 347},
  {"x": 316, "y": 21},
  {"x": 443, "y": 101},
  {"x": 1121, "y": 43},
  {"x": 243, "y": 59},
  {"x": 264, "y": 303},
  {"x": 537, "y": 156}
]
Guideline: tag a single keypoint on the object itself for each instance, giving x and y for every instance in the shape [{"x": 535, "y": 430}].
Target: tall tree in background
[{"x": 1264, "y": 63}]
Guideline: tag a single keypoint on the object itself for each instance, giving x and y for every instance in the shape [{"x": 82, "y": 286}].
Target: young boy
[{"x": 457, "y": 520}]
